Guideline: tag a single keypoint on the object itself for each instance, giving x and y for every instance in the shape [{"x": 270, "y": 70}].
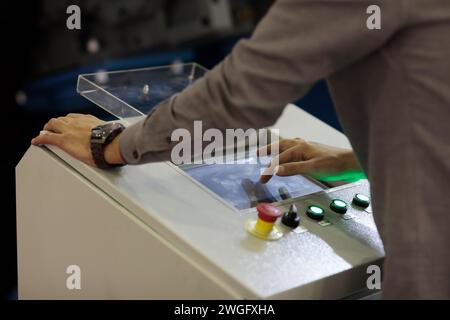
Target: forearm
[
  {"x": 349, "y": 161},
  {"x": 290, "y": 49}
]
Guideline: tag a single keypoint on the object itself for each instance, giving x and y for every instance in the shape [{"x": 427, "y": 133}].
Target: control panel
[{"x": 345, "y": 209}]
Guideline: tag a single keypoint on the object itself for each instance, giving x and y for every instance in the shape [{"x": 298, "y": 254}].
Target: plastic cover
[{"x": 131, "y": 94}]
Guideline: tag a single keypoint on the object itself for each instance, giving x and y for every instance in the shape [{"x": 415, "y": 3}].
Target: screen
[{"x": 238, "y": 184}]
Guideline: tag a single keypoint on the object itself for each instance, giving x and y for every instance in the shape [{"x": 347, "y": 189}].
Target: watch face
[{"x": 101, "y": 133}]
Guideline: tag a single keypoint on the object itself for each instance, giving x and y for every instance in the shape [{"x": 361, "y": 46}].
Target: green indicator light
[
  {"x": 338, "y": 206},
  {"x": 361, "y": 200},
  {"x": 316, "y": 209},
  {"x": 340, "y": 203},
  {"x": 362, "y": 197},
  {"x": 315, "y": 212}
]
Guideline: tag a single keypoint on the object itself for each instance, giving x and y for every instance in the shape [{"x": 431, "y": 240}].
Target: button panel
[{"x": 315, "y": 208}]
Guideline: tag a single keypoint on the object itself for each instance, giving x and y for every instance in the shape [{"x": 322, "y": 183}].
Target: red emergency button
[
  {"x": 268, "y": 212},
  {"x": 264, "y": 226}
]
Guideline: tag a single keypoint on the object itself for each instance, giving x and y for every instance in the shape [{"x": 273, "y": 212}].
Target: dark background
[{"x": 41, "y": 59}]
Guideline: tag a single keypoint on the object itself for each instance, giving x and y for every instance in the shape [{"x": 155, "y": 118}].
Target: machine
[{"x": 187, "y": 231}]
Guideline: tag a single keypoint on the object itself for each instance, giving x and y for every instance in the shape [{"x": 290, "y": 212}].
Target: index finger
[{"x": 277, "y": 147}]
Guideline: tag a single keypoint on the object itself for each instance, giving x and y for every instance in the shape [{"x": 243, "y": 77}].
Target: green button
[
  {"x": 361, "y": 200},
  {"x": 338, "y": 206},
  {"x": 315, "y": 212}
]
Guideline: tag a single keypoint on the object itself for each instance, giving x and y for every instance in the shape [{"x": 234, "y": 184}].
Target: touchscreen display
[{"x": 238, "y": 184}]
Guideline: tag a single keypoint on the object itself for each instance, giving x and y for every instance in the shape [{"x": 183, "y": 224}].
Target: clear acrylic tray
[{"x": 131, "y": 94}]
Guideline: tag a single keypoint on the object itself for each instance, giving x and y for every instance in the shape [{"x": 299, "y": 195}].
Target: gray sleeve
[{"x": 297, "y": 43}]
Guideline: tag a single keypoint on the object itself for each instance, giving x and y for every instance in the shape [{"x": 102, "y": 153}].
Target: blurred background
[{"x": 41, "y": 60}]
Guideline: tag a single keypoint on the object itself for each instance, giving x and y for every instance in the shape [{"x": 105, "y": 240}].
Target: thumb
[{"x": 293, "y": 168}]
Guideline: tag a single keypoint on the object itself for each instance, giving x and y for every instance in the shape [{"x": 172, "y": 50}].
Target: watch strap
[{"x": 98, "y": 148}]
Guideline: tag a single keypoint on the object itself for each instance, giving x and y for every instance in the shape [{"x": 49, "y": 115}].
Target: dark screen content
[{"x": 238, "y": 183}]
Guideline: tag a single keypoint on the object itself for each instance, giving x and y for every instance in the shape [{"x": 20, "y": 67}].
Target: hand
[
  {"x": 297, "y": 156},
  {"x": 72, "y": 134}
]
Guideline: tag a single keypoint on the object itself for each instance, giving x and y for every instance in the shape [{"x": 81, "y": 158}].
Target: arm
[{"x": 297, "y": 43}]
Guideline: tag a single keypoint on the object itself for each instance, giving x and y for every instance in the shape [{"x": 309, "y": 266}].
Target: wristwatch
[{"x": 101, "y": 136}]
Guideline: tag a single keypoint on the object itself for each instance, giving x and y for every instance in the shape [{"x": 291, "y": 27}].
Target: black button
[
  {"x": 291, "y": 218},
  {"x": 169, "y": 140},
  {"x": 135, "y": 154}
]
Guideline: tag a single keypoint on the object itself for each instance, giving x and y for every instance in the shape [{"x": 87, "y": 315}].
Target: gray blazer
[{"x": 391, "y": 88}]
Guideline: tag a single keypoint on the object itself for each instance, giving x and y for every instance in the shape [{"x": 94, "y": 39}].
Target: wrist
[
  {"x": 112, "y": 152},
  {"x": 349, "y": 161}
]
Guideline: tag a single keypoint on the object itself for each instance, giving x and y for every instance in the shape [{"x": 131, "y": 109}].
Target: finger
[
  {"x": 267, "y": 149},
  {"x": 292, "y": 154},
  {"x": 63, "y": 119},
  {"x": 50, "y": 138},
  {"x": 277, "y": 147},
  {"x": 291, "y": 150},
  {"x": 293, "y": 168},
  {"x": 264, "y": 178},
  {"x": 55, "y": 125},
  {"x": 271, "y": 170},
  {"x": 75, "y": 115}
]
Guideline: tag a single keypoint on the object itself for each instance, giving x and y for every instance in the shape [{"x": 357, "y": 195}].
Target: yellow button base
[{"x": 251, "y": 227}]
